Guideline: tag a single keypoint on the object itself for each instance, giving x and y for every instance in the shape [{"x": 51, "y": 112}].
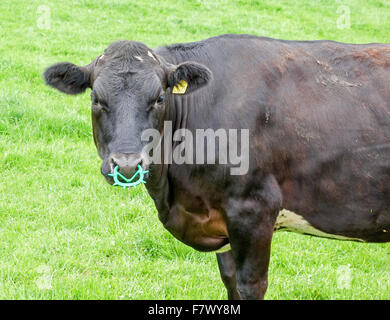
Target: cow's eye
[
  {"x": 105, "y": 108},
  {"x": 160, "y": 99},
  {"x": 93, "y": 98}
]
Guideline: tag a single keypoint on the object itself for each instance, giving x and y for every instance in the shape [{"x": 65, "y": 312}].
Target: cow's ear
[
  {"x": 68, "y": 78},
  {"x": 188, "y": 77}
]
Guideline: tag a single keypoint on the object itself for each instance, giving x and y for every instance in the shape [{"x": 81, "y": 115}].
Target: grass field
[{"x": 66, "y": 234}]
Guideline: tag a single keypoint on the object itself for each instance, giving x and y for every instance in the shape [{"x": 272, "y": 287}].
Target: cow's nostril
[
  {"x": 113, "y": 164},
  {"x": 141, "y": 163}
]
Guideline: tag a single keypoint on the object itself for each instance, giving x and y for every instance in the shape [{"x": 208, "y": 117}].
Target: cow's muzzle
[{"x": 126, "y": 162}]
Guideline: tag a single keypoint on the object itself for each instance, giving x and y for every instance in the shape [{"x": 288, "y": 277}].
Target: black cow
[{"x": 318, "y": 115}]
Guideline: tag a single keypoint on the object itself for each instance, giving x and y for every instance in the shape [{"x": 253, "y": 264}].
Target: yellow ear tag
[{"x": 180, "y": 87}]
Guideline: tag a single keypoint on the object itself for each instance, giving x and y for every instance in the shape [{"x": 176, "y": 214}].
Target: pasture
[{"x": 66, "y": 234}]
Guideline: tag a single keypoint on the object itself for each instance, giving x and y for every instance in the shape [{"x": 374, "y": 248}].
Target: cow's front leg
[
  {"x": 227, "y": 269},
  {"x": 251, "y": 215}
]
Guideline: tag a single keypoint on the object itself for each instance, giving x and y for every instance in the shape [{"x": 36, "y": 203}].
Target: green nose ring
[{"x": 122, "y": 181}]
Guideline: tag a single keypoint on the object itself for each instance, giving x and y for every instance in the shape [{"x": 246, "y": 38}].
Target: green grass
[{"x": 65, "y": 233}]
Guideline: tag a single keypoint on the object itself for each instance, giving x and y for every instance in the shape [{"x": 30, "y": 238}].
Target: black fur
[
  {"x": 67, "y": 77},
  {"x": 195, "y": 74}
]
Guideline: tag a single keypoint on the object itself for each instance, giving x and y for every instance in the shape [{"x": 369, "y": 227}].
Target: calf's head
[{"x": 130, "y": 90}]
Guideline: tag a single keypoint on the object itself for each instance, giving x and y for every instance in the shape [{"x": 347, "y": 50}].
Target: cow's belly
[{"x": 290, "y": 221}]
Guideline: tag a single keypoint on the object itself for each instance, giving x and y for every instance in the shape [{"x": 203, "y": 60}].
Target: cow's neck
[
  {"x": 178, "y": 113},
  {"x": 158, "y": 181}
]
